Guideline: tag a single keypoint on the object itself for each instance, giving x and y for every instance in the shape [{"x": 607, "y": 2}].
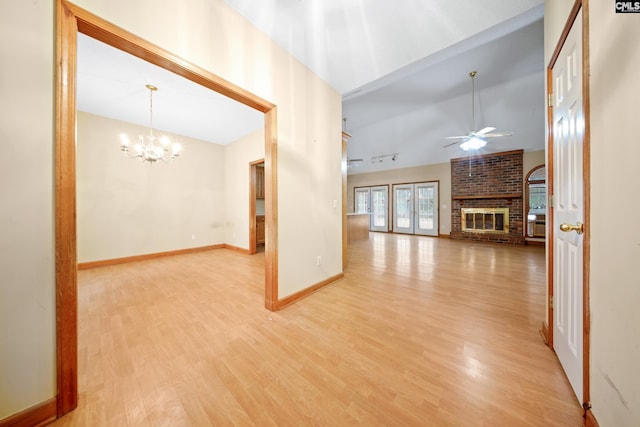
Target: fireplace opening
[{"x": 485, "y": 220}]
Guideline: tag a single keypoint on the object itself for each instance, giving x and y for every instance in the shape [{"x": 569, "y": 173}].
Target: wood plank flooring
[{"x": 420, "y": 332}]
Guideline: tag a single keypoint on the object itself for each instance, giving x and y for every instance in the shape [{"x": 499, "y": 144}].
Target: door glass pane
[
  {"x": 425, "y": 208},
  {"x": 403, "y": 207},
  {"x": 379, "y": 207},
  {"x": 362, "y": 201}
]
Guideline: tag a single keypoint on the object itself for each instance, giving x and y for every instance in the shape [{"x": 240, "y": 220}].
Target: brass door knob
[{"x": 578, "y": 227}]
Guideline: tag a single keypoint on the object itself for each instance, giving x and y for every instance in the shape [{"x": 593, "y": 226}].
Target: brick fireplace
[{"x": 485, "y": 184}]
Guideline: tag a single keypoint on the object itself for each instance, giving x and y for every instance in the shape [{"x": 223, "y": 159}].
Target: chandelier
[{"x": 152, "y": 148}]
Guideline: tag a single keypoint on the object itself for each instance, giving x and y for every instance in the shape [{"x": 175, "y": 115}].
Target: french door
[
  {"x": 415, "y": 208},
  {"x": 379, "y": 208},
  {"x": 375, "y": 202}
]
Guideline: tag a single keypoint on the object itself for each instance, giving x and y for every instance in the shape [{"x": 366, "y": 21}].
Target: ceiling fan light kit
[
  {"x": 473, "y": 144},
  {"x": 475, "y": 139}
]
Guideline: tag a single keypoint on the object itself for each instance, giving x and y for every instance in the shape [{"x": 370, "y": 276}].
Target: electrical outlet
[
  {"x": 193, "y": 237},
  {"x": 318, "y": 260}
]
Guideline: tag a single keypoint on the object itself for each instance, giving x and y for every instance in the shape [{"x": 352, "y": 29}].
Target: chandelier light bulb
[{"x": 124, "y": 141}]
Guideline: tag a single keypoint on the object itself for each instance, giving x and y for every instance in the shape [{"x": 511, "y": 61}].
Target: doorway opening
[
  {"x": 257, "y": 229},
  {"x": 72, "y": 20}
]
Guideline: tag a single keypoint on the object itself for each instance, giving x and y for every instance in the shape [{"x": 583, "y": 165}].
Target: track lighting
[{"x": 380, "y": 159}]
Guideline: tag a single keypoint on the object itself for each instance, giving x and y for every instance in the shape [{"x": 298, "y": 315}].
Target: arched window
[{"x": 536, "y": 201}]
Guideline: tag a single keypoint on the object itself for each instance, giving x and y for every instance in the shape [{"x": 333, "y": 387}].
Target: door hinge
[
  {"x": 551, "y": 301},
  {"x": 551, "y": 200},
  {"x": 550, "y": 100}
]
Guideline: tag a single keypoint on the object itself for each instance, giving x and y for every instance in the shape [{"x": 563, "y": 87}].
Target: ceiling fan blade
[
  {"x": 497, "y": 134},
  {"x": 458, "y": 137},
  {"x": 485, "y": 131},
  {"x": 355, "y": 160},
  {"x": 452, "y": 143}
]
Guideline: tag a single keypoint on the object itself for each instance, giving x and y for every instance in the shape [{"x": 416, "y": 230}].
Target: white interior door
[
  {"x": 426, "y": 208},
  {"x": 403, "y": 208},
  {"x": 568, "y": 207},
  {"x": 379, "y": 208}
]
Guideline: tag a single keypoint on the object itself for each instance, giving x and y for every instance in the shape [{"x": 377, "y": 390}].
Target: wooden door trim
[
  {"x": 70, "y": 20},
  {"x": 344, "y": 169},
  {"x": 271, "y": 209},
  {"x": 586, "y": 179}
]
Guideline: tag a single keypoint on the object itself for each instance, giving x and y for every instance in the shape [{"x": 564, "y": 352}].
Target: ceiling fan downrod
[{"x": 473, "y": 98}]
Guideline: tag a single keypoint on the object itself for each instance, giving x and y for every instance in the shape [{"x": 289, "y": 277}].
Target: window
[{"x": 536, "y": 201}]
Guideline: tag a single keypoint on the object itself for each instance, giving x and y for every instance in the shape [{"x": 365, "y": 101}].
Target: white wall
[
  {"x": 27, "y": 292},
  {"x": 438, "y": 172},
  {"x": 615, "y": 233},
  {"x": 309, "y": 183},
  {"x": 127, "y": 208},
  {"x": 207, "y": 33},
  {"x": 615, "y": 239},
  {"x": 530, "y": 160}
]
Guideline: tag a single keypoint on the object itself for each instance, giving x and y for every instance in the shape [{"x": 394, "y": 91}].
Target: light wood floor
[{"x": 421, "y": 331}]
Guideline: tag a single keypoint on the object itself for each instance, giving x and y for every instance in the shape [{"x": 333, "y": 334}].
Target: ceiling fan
[{"x": 475, "y": 139}]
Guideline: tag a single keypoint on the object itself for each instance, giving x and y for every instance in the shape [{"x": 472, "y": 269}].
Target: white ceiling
[
  {"x": 402, "y": 68},
  {"x": 111, "y": 83},
  {"x": 412, "y": 111}
]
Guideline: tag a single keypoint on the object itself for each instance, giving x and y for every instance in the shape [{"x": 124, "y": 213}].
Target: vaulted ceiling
[{"x": 402, "y": 68}]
